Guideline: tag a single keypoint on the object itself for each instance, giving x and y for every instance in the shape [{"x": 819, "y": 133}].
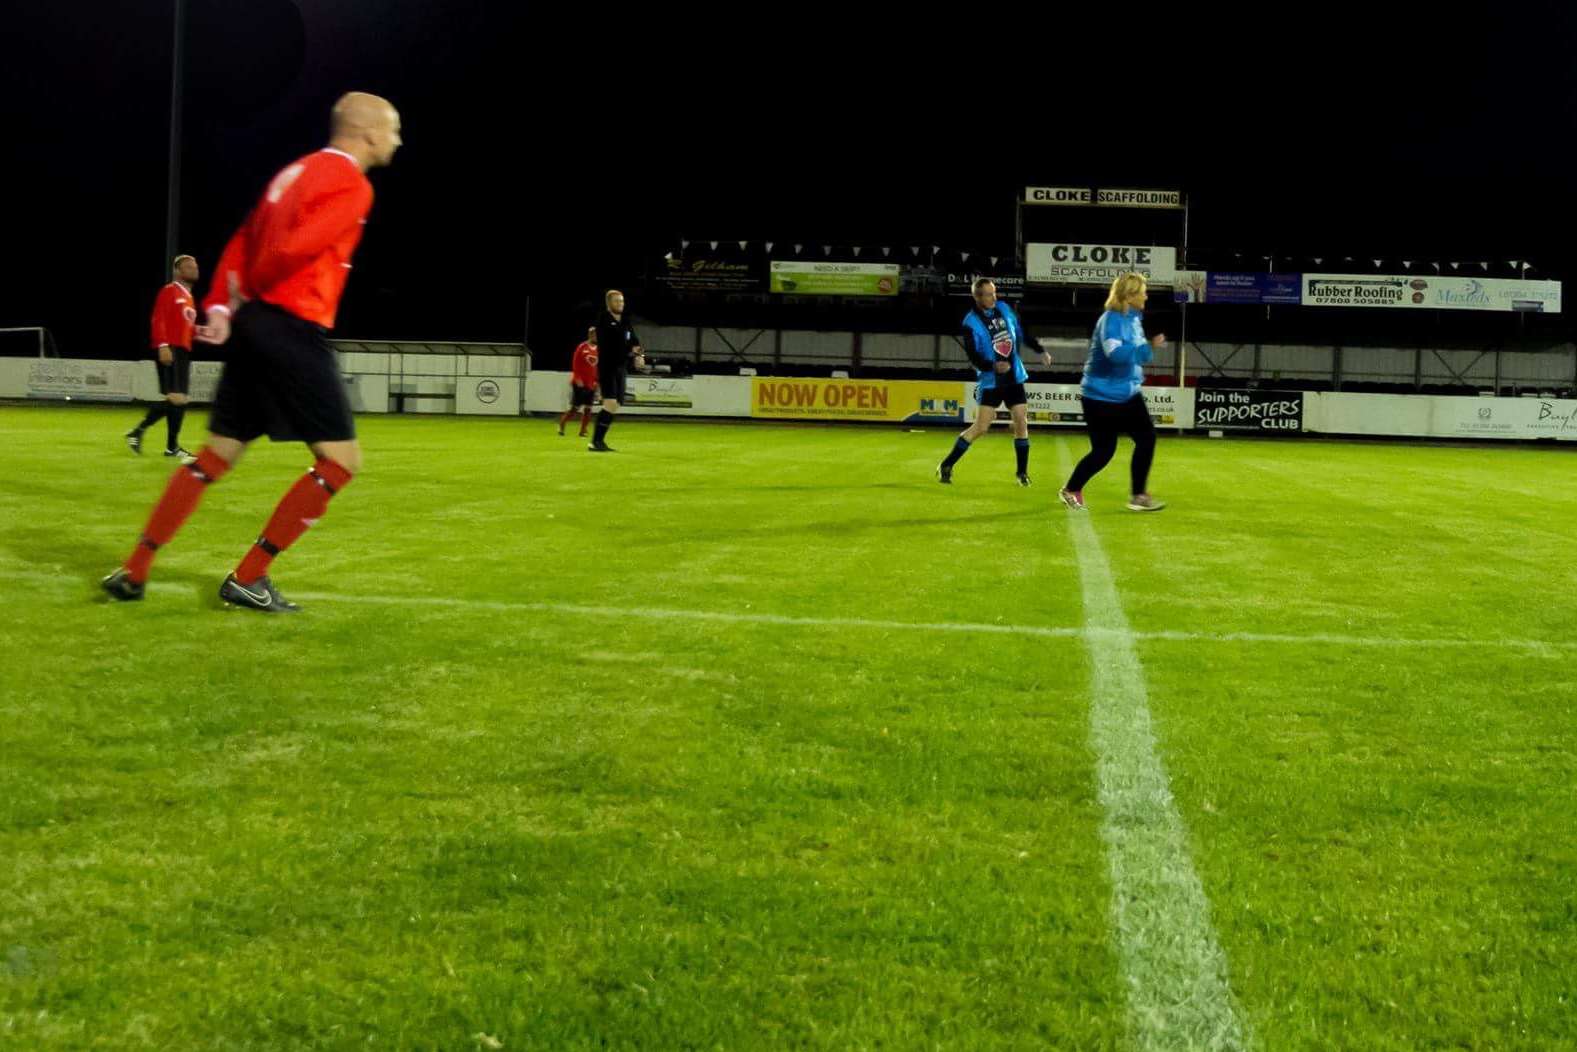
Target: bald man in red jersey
[
  {"x": 173, "y": 324},
  {"x": 274, "y": 296}
]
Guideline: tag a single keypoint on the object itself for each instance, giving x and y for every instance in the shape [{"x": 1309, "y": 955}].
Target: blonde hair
[{"x": 1125, "y": 289}]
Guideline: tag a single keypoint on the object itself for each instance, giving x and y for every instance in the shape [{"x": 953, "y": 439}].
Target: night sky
[{"x": 552, "y": 150}]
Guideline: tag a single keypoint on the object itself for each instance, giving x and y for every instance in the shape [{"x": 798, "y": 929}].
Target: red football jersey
[
  {"x": 174, "y": 317},
  {"x": 584, "y": 372},
  {"x": 294, "y": 249}
]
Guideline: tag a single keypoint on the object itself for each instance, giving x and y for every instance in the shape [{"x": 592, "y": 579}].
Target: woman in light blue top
[{"x": 1113, "y": 402}]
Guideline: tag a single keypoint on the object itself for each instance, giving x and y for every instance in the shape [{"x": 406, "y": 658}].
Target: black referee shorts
[
  {"x": 581, "y": 396},
  {"x": 282, "y": 379},
  {"x": 611, "y": 378},
  {"x": 175, "y": 378}
]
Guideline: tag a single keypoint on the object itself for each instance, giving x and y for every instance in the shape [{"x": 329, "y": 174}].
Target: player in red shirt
[
  {"x": 582, "y": 382},
  {"x": 174, "y": 321},
  {"x": 274, "y": 296}
]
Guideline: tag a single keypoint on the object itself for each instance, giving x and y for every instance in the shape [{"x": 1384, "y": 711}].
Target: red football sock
[
  {"x": 303, "y": 504},
  {"x": 585, "y": 419},
  {"x": 180, "y": 499},
  {"x": 565, "y": 418}
]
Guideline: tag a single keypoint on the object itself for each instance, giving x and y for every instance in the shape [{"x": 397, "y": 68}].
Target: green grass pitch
[{"x": 756, "y": 737}]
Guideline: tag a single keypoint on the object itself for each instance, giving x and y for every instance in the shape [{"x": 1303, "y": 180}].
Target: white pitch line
[
  {"x": 649, "y": 613},
  {"x": 1179, "y": 996},
  {"x": 1535, "y": 647},
  {"x": 1328, "y": 639}
]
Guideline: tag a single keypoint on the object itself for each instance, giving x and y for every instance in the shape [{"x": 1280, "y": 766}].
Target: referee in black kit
[{"x": 616, "y": 344}]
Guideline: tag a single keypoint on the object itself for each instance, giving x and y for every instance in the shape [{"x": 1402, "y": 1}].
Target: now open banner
[{"x": 906, "y": 401}]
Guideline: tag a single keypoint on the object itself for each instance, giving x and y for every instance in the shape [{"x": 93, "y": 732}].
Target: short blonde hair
[{"x": 1125, "y": 289}]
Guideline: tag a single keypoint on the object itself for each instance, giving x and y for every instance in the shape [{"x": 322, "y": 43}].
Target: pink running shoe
[
  {"x": 1145, "y": 502},
  {"x": 1073, "y": 499}
]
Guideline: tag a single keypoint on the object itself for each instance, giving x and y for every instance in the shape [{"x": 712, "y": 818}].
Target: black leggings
[{"x": 1107, "y": 420}]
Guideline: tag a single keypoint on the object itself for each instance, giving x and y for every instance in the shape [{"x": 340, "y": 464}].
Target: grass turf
[{"x": 494, "y": 818}]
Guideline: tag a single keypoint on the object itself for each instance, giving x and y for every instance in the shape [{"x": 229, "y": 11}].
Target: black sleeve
[
  {"x": 635, "y": 341},
  {"x": 1029, "y": 340},
  {"x": 976, "y": 359},
  {"x": 607, "y": 336}
]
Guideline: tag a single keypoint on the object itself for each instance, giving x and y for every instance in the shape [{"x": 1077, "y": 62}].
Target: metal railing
[
  {"x": 419, "y": 370},
  {"x": 46, "y": 341}
]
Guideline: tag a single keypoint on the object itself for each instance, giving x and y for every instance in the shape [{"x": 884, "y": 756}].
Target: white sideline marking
[
  {"x": 1178, "y": 993},
  {"x": 1535, "y": 647},
  {"x": 650, "y": 613}
]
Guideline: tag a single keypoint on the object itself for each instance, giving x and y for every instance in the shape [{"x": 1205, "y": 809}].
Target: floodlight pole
[
  {"x": 1182, "y": 337},
  {"x": 1018, "y": 231},
  {"x": 172, "y": 213}
]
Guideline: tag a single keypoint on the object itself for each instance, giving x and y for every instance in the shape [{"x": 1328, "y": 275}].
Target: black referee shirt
[{"x": 615, "y": 338}]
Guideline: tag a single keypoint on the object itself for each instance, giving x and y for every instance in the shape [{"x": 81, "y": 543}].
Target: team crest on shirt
[
  {"x": 189, "y": 314},
  {"x": 1001, "y": 336}
]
